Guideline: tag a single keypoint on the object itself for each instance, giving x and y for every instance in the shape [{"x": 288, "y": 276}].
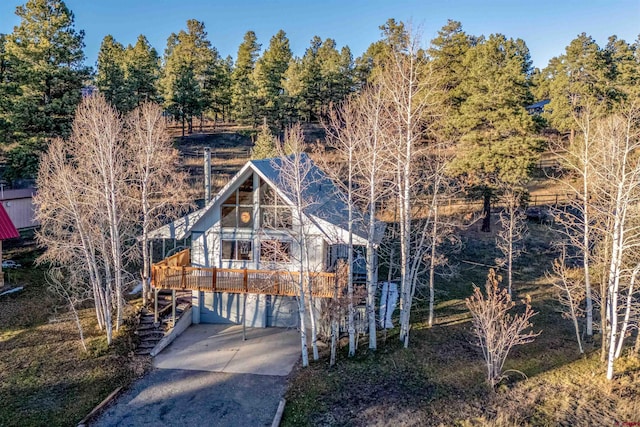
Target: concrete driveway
[
  {"x": 220, "y": 348},
  {"x": 209, "y": 376}
]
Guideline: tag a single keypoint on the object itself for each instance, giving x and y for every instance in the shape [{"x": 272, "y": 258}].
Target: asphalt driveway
[{"x": 209, "y": 376}]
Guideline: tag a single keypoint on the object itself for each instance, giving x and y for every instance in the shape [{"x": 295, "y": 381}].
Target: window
[
  {"x": 275, "y": 251},
  {"x": 240, "y": 250},
  {"x": 237, "y": 210},
  {"x": 274, "y": 213}
]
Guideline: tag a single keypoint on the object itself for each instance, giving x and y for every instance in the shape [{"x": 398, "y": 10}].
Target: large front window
[{"x": 237, "y": 250}]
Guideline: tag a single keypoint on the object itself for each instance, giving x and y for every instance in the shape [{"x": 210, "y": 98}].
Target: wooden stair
[{"x": 150, "y": 333}]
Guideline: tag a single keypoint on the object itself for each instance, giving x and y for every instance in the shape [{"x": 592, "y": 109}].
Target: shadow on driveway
[
  {"x": 209, "y": 376},
  {"x": 220, "y": 348}
]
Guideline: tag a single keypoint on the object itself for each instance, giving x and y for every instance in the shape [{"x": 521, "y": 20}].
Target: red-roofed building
[
  {"x": 19, "y": 206},
  {"x": 7, "y": 231}
]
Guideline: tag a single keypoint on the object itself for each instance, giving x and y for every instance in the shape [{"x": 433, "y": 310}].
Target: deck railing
[{"x": 269, "y": 282}]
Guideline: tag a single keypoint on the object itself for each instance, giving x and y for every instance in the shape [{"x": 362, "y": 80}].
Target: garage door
[
  {"x": 221, "y": 308},
  {"x": 282, "y": 312}
]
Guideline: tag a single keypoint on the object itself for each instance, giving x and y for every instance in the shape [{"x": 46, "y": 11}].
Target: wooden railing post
[
  {"x": 183, "y": 278},
  {"x": 246, "y": 280},
  {"x": 214, "y": 274},
  {"x": 277, "y": 281}
]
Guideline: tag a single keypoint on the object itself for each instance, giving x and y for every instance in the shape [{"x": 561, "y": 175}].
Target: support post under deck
[
  {"x": 244, "y": 318},
  {"x": 155, "y": 306},
  {"x": 173, "y": 307}
]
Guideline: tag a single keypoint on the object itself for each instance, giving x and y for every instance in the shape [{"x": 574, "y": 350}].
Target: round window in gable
[{"x": 245, "y": 217}]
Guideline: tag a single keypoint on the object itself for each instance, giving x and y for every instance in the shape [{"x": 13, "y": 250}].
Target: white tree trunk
[
  {"x": 303, "y": 330},
  {"x": 432, "y": 264},
  {"x": 614, "y": 283},
  {"x": 586, "y": 257},
  {"x": 625, "y": 323},
  {"x": 350, "y": 310},
  {"x": 371, "y": 252}
]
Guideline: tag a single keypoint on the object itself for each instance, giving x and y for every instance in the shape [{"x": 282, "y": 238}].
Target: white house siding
[
  {"x": 221, "y": 308},
  {"x": 206, "y": 251},
  {"x": 260, "y": 310},
  {"x": 282, "y": 312},
  {"x": 198, "y": 249}
]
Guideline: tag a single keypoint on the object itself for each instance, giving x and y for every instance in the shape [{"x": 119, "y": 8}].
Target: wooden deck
[{"x": 172, "y": 273}]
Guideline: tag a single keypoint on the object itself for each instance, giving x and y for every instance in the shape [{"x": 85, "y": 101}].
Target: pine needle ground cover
[
  {"x": 45, "y": 376},
  {"x": 440, "y": 378}
]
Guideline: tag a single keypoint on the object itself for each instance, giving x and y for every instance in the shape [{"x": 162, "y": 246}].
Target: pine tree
[
  {"x": 220, "y": 90},
  {"x": 394, "y": 40},
  {"x": 142, "y": 72},
  {"x": 577, "y": 80},
  {"x": 243, "y": 87},
  {"x": 189, "y": 61},
  {"x": 8, "y": 89},
  {"x": 127, "y": 77},
  {"x": 623, "y": 65},
  {"x": 331, "y": 84},
  {"x": 497, "y": 145},
  {"x": 311, "y": 80},
  {"x": 265, "y": 146},
  {"x": 346, "y": 72},
  {"x": 447, "y": 54},
  {"x": 269, "y": 74},
  {"x": 326, "y": 76},
  {"x": 110, "y": 73},
  {"x": 46, "y": 56},
  {"x": 293, "y": 87}
]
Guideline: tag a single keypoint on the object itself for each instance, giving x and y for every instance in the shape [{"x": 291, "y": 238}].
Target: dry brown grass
[
  {"x": 439, "y": 379},
  {"x": 45, "y": 376}
]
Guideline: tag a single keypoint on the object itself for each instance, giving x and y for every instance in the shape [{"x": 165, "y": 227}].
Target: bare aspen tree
[
  {"x": 571, "y": 292},
  {"x": 344, "y": 135},
  {"x": 297, "y": 175},
  {"x": 69, "y": 230},
  {"x": 510, "y": 237},
  {"x": 578, "y": 158},
  {"x": 440, "y": 230},
  {"x": 88, "y": 202},
  {"x": 373, "y": 172},
  {"x": 628, "y": 309},
  {"x": 102, "y": 154},
  {"x": 160, "y": 187},
  {"x": 356, "y": 131},
  {"x": 496, "y": 329},
  {"x": 410, "y": 88},
  {"x": 70, "y": 285},
  {"x": 617, "y": 182},
  {"x": 336, "y": 308}
]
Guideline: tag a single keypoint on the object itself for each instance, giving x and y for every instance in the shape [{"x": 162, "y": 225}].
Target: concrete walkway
[{"x": 209, "y": 376}]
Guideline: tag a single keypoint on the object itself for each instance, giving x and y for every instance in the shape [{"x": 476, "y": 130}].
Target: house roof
[
  {"x": 7, "y": 229},
  {"x": 323, "y": 200},
  {"x": 325, "y": 204},
  {"x": 178, "y": 229},
  {"x": 538, "y": 105},
  {"x": 22, "y": 193}
]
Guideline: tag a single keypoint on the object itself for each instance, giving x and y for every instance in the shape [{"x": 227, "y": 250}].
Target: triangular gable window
[
  {"x": 237, "y": 210},
  {"x": 274, "y": 213}
]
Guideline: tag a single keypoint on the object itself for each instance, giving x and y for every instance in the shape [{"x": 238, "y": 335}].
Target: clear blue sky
[{"x": 547, "y": 26}]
